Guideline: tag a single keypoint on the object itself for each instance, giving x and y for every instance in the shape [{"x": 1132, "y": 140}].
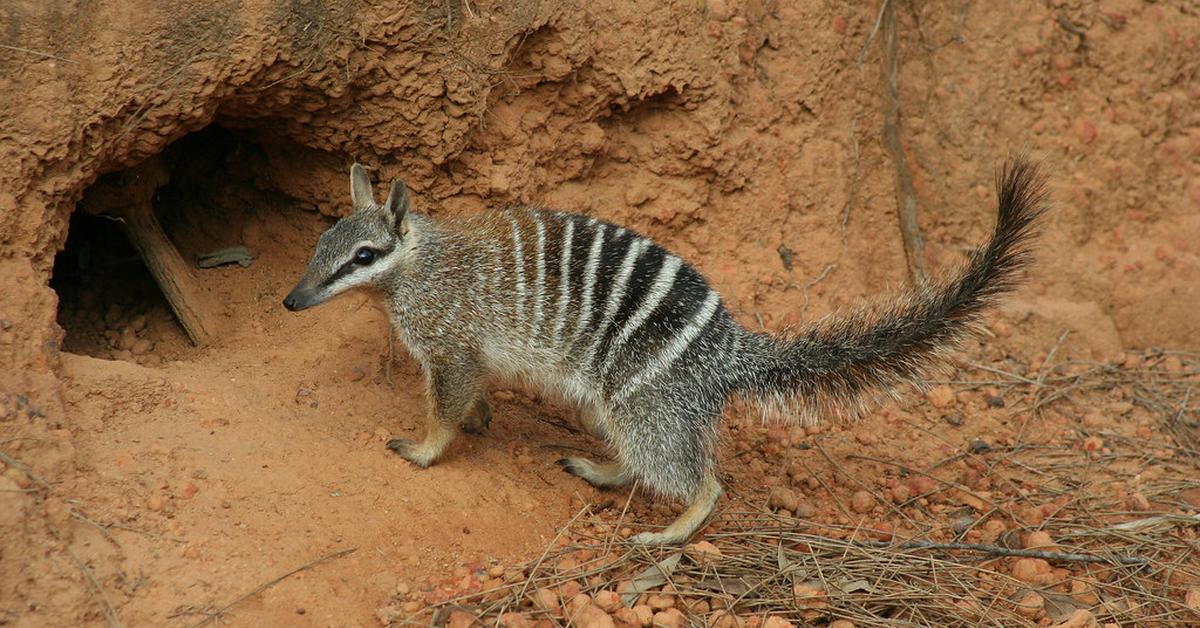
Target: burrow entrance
[{"x": 213, "y": 196}]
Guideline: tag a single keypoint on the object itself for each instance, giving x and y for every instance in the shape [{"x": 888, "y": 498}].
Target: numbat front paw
[{"x": 410, "y": 451}]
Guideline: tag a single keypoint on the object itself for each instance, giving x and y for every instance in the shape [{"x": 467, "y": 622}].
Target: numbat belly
[{"x": 630, "y": 333}]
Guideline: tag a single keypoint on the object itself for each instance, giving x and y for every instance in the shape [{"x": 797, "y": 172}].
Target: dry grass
[{"x": 1125, "y": 558}]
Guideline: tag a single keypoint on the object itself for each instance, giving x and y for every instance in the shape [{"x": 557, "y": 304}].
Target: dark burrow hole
[{"x": 206, "y": 197}]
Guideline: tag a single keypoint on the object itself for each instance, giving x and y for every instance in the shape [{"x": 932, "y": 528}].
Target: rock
[
  {"x": 546, "y": 600},
  {"x": 1086, "y": 130},
  {"x": 777, "y": 622},
  {"x": 569, "y": 589},
  {"x": 644, "y": 613},
  {"x": 608, "y": 601},
  {"x": 496, "y": 571},
  {"x": 783, "y": 498},
  {"x": 660, "y": 601},
  {"x": 1031, "y": 605},
  {"x": 577, "y": 603},
  {"x": 810, "y": 596},
  {"x": 589, "y": 615},
  {"x": 724, "y": 620},
  {"x": 718, "y": 10},
  {"x": 155, "y": 503},
  {"x": 627, "y": 617},
  {"x": 127, "y": 340},
  {"x": 138, "y": 323},
  {"x": 1031, "y": 570},
  {"x": 669, "y": 618},
  {"x": 1081, "y": 618},
  {"x": 900, "y": 493},
  {"x": 516, "y": 620},
  {"x": 839, "y": 24},
  {"x": 460, "y": 619},
  {"x": 1173, "y": 364},
  {"x": 841, "y": 623},
  {"x": 703, "y": 553},
  {"x": 941, "y": 396},
  {"x": 1138, "y": 502},
  {"x": 1191, "y": 599},
  {"x": 1040, "y": 540},
  {"x": 1084, "y": 591},
  {"x": 862, "y": 502},
  {"x": 189, "y": 490}
]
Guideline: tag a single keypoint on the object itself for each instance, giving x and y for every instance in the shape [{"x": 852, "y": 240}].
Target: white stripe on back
[
  {"x": 539, "y": 282},
  {"x": 663, "y": 282},
  {"x": 616, "y": 293},
  {"x": 672, "y": 351},
  {"x": 589, "y": 279},
  {"x": 519, "y": 257},
  {"x": 564, "y": 280}
]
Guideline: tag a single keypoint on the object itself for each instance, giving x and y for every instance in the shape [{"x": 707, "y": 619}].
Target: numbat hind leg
[
  {"x": 479, "y": 418},
  {"x": 697, "y": 513},
  {"x": 454, "y": 389},
  {"x": 598, "y": 474}
]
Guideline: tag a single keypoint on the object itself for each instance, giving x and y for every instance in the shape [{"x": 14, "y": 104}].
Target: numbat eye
[{"x": 364, "y": 256}]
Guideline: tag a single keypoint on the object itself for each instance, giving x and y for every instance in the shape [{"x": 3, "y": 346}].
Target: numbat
[{"x": 631, "y": 334}]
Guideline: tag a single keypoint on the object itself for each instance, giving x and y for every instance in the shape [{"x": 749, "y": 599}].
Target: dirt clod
[
  {"x": 1031, "y": 604},
  {"x": 941, "y": 396},
  {"x": 862, "y": 502},
  {"x": 669, "y": 618},
  {"x": 1081, "y": 618},
  {"x": 1031, "y": 570}
]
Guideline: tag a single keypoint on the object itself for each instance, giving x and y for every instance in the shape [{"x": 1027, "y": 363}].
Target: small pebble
[
  {"x": 1031, "y": 570},
  {"x": 608, "y": 601},
  {"x": 703, "y": 553},
  {"x": 862, "y": 502},
  {"x": 1031, "y": 605},
  {"x": 783, "y": 498},
  {"x": 1138, "y": 502},
  {"x": 941, "y": 396},
  {"x": 1040, "y": 540},
  {"x": 660, "y": 601},
  {"x": 1081, "y": 618},
  {"x": 669, "y": 618},
  {"x": 1191, "y": 599}
]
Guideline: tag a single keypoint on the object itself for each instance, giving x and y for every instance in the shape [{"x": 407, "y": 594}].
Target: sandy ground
[{"x": 747, "y": 140}]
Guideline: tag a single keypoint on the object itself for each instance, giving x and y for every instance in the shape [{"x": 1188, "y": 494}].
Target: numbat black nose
[{"x": 290, "y": 303}]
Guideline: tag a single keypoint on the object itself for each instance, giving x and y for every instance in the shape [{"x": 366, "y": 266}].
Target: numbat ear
[
  {"x": 395, "y": 208},
  {"x": 361, "y": 195}
]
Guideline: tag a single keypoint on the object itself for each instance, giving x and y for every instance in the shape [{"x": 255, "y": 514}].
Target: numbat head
[
  {"x": 629, "y": 333},
  {"x": 360, "y": 248}
]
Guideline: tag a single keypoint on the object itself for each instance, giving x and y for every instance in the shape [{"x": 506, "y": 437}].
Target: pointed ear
[
  {"x": 361, "y": 195},
  {"x": 396, "y": 207}
]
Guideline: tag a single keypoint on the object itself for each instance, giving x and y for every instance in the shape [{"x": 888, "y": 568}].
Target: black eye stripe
[{"x": 350, "y": 266}]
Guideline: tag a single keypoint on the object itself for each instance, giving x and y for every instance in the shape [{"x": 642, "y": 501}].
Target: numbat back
[{"x": 631, "y": 334}]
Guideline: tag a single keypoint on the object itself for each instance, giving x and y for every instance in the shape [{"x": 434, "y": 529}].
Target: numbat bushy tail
[{"x": 629, "y": 333}]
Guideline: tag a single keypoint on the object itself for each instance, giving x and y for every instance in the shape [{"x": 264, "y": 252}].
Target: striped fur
[{"x": 633, "y": 335}]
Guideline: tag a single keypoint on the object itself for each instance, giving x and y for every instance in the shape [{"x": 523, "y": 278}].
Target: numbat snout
[{"x": 628, "y": 333}]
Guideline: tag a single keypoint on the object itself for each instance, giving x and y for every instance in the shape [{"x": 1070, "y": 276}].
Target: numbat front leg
[{"x": 454, "y": 392}]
